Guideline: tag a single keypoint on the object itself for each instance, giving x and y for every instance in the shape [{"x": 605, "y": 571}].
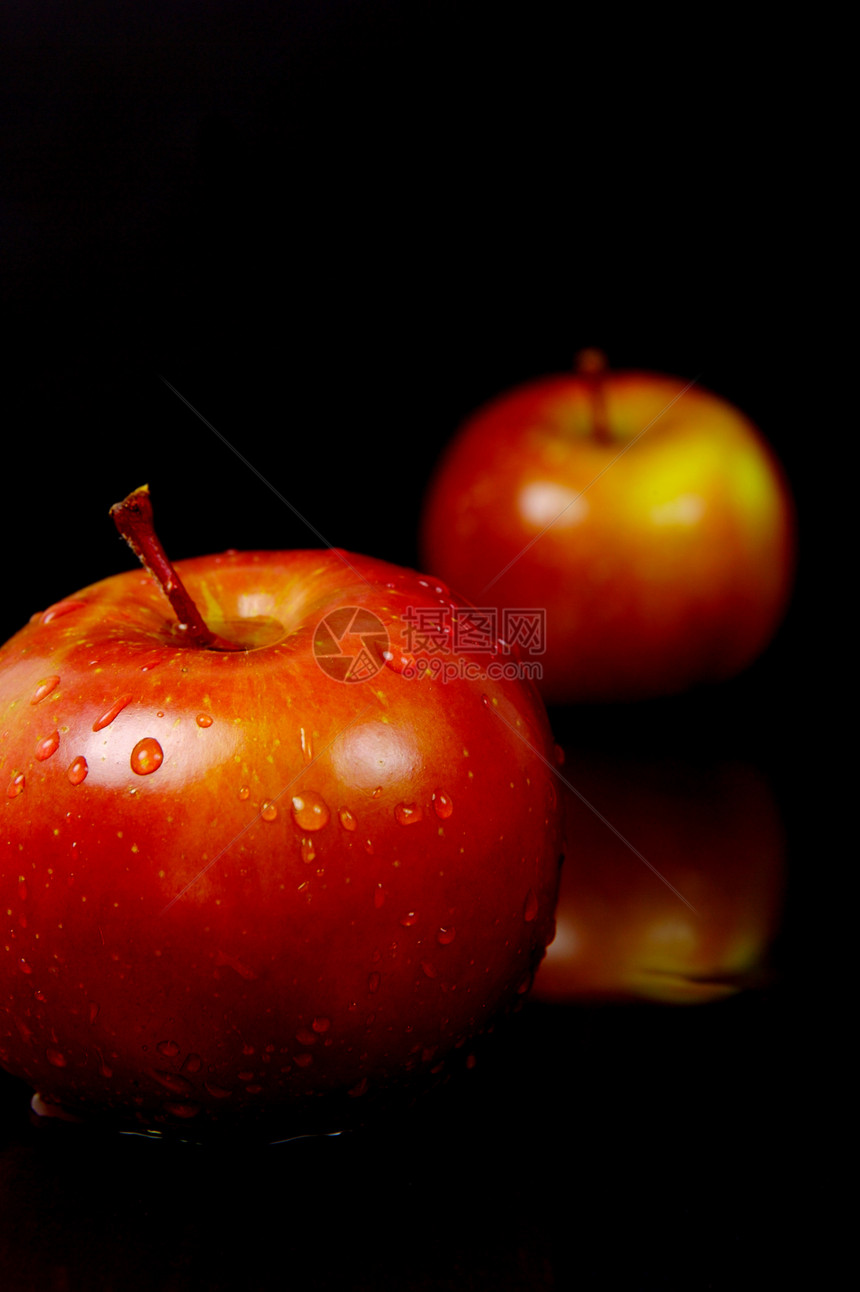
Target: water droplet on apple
[
  {"x": 182, "y": 1110},
  {"x": 430, "y": 970},
  {"x": 244, "y": 793},
  {"x": 373, "y": 981},
  {"x": 409, "y": 919},
  {"x": 559, "y": 756},
  {"x": 15, "y": 786},
  {"x": 22, "y": 888},
  {"x": 407, "y": 813},
  {"x": 77, "y": 770},
  {"x": 147, "y": 756},
  {"x": 172, "y": 1081},
  {"x": 307, "y": 850},
  {"x": 445, "y": 936},
  {"x": 48, "y": 746},
  {"x": 399, "y": 660},
  {"x": 40, "y": 996},
  {"x": 379, "y": 896},
  {"x": 204, "y": 720},
  {"x": 530, "y": 909},
  {"x": 24, "y": 967},
  {"x": 307, "y": 745},
  {"x": 347, "y": 819},
  {"x": 92, "y": 1011},
  {"x": 269, "y": 811},
  {"x": 442, "y": 804},
  {"x": 113, "y": 712},
  {"x": 193, "y": 1063},
  {"x": 56, "y": 1058},
  {"x": 168, "y": 1048},
  {"x": 321, "y": 1024},
  {"x": 45, "y": 687},
  {"x": 310, "y": 810},
  {"x": 217, "y": 1092},
  {"x": 59, "y": 609}
]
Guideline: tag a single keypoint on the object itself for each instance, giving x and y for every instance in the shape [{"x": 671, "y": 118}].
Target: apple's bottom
[
  {"x": 324, "y": 1117},
  {"x": 46, "y": 1113},
  {"x": 206, "y": 1115}
]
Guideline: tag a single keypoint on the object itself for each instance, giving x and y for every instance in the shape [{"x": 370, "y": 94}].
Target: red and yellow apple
[
  {"x": 646, "y": 515},
  {"x": 672, "y": 884},
  {"x": 241, "y": 886}
]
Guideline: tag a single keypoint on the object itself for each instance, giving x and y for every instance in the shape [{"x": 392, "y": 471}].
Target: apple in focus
[
  {"x": 252, "y": 871},
  {"x": 672, "y": 885},
  {"x": 645, "y": 514}
]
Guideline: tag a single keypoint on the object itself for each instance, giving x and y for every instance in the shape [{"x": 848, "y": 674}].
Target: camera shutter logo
[{"x": 350, "y": 644}]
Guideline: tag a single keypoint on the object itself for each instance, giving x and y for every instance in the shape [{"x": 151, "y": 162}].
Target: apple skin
[
  {"x": 662, "y": 564},
  {"x": 175, "y": 950},
  {"x": 714, "y": 832}
]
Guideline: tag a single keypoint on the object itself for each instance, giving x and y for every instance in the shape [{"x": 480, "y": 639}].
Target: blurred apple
[
  {"x": 644, "y": 514},
  {"x": 672, "y": 885}
]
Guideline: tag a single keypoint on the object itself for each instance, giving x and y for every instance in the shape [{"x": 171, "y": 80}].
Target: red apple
[
  {"x": 672, "y": 885},
  {"x": 646, "y": 516},
  {"x": 240, "y": 884}
]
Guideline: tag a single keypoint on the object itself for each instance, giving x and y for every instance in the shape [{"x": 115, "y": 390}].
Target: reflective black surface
[{"x": 645, "y": 1149}]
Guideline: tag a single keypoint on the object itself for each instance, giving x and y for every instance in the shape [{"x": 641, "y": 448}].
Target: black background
[{"x": 335, "y": 229}]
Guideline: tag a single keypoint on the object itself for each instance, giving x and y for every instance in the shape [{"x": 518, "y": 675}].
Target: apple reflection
[{"x": 672, "y": 886}]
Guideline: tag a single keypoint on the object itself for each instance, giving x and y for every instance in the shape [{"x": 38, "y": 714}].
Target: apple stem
[
  {"x": 591, "y": 366},
  {"x": 134, "y": 520}
]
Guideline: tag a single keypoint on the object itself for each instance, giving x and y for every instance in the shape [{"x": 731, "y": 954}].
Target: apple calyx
[
  {"x": 134, "y": 520},
  {"x": 591, "y": 365}
]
